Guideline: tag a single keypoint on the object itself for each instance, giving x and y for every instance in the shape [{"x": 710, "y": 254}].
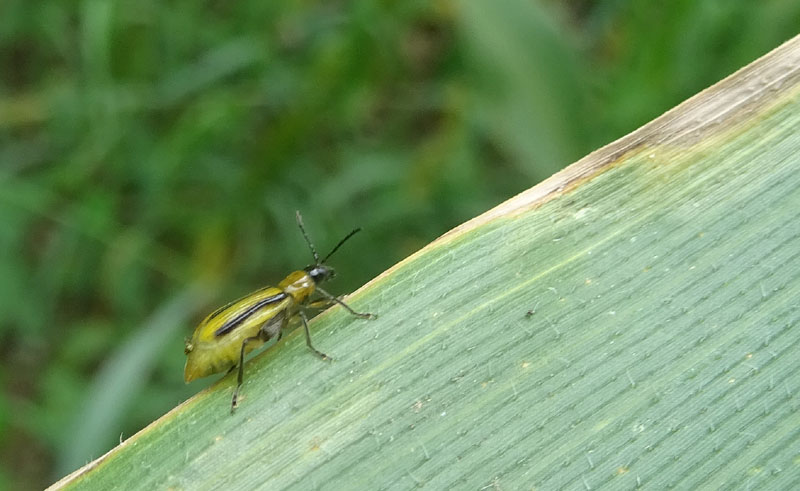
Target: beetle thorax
[{"x": 299, "y": 284}]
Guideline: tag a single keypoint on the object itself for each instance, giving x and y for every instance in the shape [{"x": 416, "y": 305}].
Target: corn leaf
[{"x": 633, "y": 320}]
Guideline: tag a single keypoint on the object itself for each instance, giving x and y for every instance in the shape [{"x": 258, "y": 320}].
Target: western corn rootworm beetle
[{"x": 222, "y": 339}]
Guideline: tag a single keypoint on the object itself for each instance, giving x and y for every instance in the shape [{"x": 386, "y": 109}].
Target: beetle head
[{"x": 320, "y": 272}]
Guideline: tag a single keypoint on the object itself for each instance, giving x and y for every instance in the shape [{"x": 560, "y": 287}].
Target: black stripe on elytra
[
  {"x": 224, "y": 307},
  {"x": 236, "y": 321}
]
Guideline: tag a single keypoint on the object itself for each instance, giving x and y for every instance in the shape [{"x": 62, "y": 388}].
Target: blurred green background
[{"x": 152, "y": 155}]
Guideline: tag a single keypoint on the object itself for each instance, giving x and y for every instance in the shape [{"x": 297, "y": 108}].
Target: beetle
[{"x": 221, "y": 341}]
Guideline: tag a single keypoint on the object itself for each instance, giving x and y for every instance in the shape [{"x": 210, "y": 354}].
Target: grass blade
[{"x": 631, "y": 321}]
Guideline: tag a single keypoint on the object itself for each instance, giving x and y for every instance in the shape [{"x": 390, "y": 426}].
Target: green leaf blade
[{"x": 661, "y": 276}]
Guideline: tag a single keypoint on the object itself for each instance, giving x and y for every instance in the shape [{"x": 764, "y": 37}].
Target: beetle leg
[
  {"x": 331, "y": 298},
  {"x": 240, "y": 377},
  {"x": 319, "y": 304},
  {"x": 308, "y": 338},
  {"x": 273, "y": 327}
]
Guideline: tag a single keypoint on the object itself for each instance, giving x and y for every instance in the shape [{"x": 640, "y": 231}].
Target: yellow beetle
[{"x": 222, "y": 339}]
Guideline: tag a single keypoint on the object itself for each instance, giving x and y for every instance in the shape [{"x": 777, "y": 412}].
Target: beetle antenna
[
  {"x": 308, "y": 241},
  {"x": 355, "y": 231}
]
